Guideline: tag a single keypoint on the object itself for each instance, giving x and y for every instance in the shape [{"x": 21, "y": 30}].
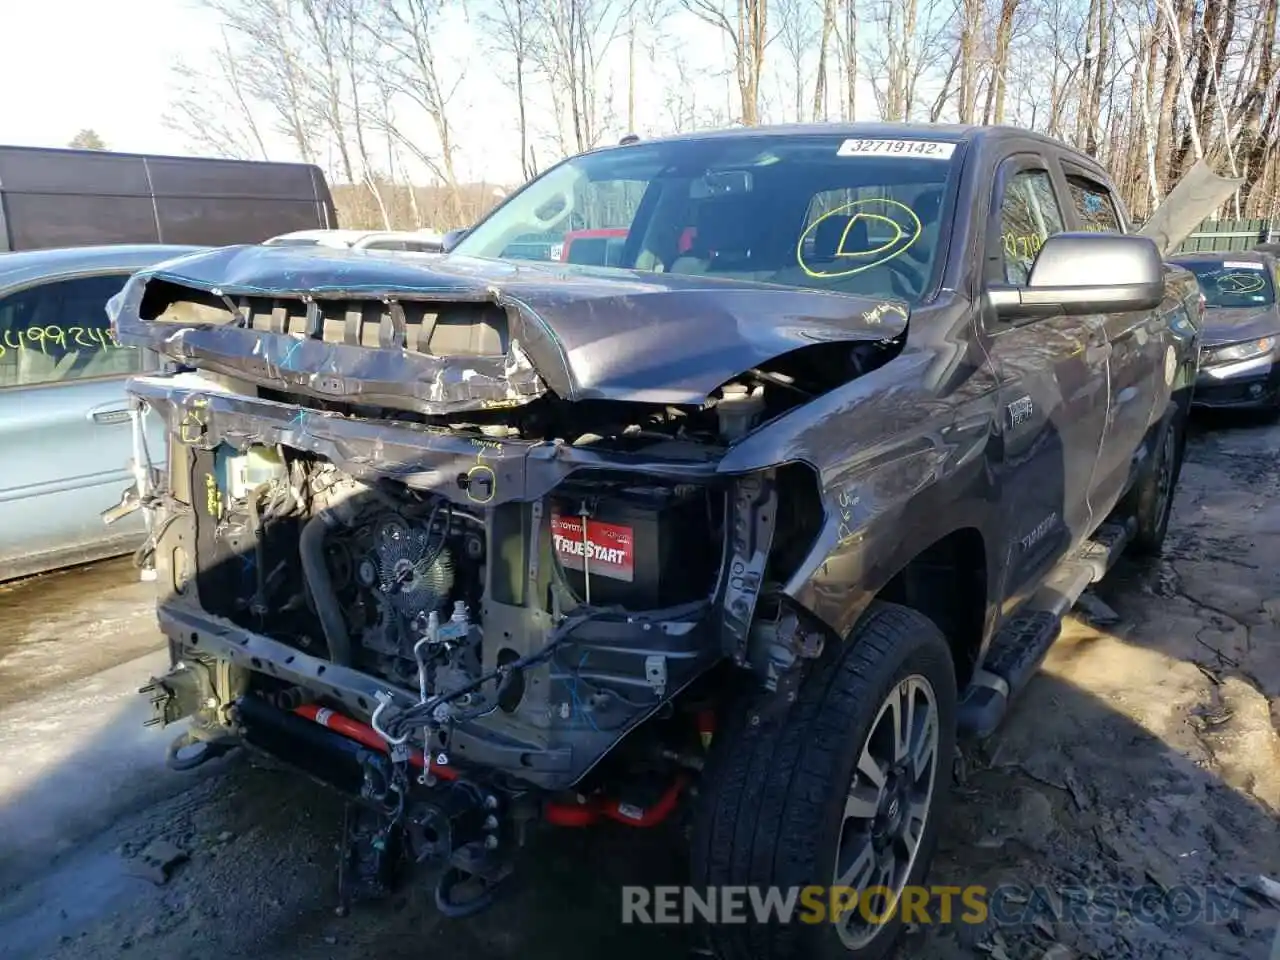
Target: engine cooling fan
[{"x": 415, "y": 569}]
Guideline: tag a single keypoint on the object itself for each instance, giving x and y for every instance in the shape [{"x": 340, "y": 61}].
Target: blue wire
[{"x": 577, "y": 701}]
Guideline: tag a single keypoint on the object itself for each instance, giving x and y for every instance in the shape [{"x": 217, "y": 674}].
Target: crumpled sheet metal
[
  {"x": 650, "y": 338},
  {"x": 324, "y": 369},
  {"x": 421, "y": 457}
]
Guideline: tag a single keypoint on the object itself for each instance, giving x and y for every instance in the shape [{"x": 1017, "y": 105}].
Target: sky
[
  {"x": 108, "y": 69},
  {"x": 112, "y": 73}
]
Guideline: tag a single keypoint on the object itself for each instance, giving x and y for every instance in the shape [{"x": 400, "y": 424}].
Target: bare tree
[
  {"x": 1147, "y": 86},
  {"x": 824, "y": 43},
  {"x": 796, "y": 35},
  {"x": 997, "y": 90},
  {"x": 323, "y": 28},
  {"x": 848, "y": 40},
  {"x": 214, "y": 109},
  {"x": 412, "y": 68},
  {"x": 576, "y": 36},
  {"x": 746, "y": 28},
  {"x": 270, "y": 64},
  {"x": 910, "y": 46},
  {"x": 971, "y": 31},
  {"x": 512, "y": 30},
  {"x": 1257, "y": 103}
]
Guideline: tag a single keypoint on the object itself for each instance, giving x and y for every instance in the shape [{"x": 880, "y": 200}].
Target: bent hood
[
  {"x": 453, "y": 333},
  {"x": 1233, "y": 324}
]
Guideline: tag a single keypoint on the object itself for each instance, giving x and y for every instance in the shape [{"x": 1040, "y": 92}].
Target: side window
[
  {"x": 1093, "y": 203},
  {"x": 1029, "y": 215},
  {"x": 58, "y": 331}
]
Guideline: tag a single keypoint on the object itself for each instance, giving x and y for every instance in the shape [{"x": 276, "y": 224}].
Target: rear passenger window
[
  {"x": 1029, "y": 215},
  {"x": 57, "y": 332},
  {"x": 1094, "y": 206}
]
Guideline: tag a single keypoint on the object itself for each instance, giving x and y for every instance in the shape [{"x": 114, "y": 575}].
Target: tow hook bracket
[{"x": 172, "y": 699}]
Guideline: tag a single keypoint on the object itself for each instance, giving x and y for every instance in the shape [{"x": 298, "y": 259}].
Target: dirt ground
[{"x": 1145, "y": 756}]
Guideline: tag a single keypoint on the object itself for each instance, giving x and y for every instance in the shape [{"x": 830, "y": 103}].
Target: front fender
[
  {"x": 883, "y": 518},
  {"x": 897, "y": 467}
]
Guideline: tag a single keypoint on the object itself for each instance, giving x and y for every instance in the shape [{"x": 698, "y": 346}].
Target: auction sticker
[
  {"x": 928, "y": 149},
  {"x": 609, "y": 548}
]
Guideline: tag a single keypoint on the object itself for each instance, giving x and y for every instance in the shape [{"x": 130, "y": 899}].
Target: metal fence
[{"x": 1224, "y": 235}]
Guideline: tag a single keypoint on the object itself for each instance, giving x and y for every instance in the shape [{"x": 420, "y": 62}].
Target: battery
[{"x": 644, "y": 548}]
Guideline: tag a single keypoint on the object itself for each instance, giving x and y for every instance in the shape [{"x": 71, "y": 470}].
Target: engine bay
[{"x": 530, "y": 636}]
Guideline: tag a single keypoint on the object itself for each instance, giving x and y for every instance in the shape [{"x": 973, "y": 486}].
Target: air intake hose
[{"x": 315, "y": 571}]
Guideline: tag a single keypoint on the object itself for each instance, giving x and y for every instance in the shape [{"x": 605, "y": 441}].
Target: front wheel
[{"x": 843, "y": 791}]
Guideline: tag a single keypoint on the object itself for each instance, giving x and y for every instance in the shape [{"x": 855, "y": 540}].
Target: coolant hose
[{"x": 316, "y": 573}]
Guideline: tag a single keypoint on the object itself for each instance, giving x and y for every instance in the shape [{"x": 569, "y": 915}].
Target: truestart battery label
[{"x": 609, "y": 547}]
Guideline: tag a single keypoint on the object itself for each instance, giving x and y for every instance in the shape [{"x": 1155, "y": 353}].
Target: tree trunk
[
  {"x": 994, "y": 112},
  {"x": 970, "y": 31},
  {"x": 851, "y": 59},
  {"x": 820, "y": 81},
  {"x": 631, "y": 79}
]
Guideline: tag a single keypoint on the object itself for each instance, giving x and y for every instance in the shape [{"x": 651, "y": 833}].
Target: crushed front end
[{"x": 448, "y": 591}]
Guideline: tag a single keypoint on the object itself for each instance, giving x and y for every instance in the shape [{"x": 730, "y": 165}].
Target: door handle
[{"x": 109, "y": 415}]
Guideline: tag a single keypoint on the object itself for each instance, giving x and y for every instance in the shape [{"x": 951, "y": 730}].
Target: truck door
[
  {"x": 1052, "y": 375},
  {"x": 1139, "y": 376}
]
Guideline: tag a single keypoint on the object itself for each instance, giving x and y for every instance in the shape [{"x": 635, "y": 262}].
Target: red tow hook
[
  {"x": 562, "y": 814},
  {"x": 365, "y": 734}
]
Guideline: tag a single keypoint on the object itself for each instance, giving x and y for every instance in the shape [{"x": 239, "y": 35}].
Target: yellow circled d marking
[
  {"x": 899, "y": 233},
  {"x": 916, "y": 229},
  {"x": 1240, "y": 283},
  {"x": 493, "y": 483}
]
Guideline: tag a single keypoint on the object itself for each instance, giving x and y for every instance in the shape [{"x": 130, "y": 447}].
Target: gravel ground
[{"x": 1145, "y": 755}]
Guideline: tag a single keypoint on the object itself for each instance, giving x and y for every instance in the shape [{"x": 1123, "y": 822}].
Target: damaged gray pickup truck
[{"x": 746, "y": 528}]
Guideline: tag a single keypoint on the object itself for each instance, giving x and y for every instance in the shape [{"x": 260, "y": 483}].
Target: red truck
[{"x": 603, "y": 247}]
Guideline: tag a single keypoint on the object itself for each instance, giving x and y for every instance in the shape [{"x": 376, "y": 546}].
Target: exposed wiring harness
[{"x": 429, "y": 714}]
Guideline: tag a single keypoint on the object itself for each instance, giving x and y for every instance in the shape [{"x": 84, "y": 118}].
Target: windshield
[
  {"x": 851, "y": 215},
  {"x": 1233, "y": 283}
]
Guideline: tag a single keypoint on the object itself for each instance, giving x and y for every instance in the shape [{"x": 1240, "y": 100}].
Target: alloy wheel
[{"x": 887, "y": 807}]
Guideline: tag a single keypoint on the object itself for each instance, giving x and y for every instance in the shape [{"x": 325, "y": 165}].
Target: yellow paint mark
[
  {"x": 909, "y": 230},
  {"x": 33, "y": 339},
  {"x": 478, "y": 469},
  {"x": 1240, "y": 283},
  {"x": 841, "y": 250},
  {"x": 212, "y": 498},
  {"x": 1024, "y": 247}
]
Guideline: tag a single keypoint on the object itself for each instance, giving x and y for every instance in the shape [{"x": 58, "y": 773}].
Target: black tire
[
  {"x": 1151, "y": 499},
  {"x": 773, "y": 796}
]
